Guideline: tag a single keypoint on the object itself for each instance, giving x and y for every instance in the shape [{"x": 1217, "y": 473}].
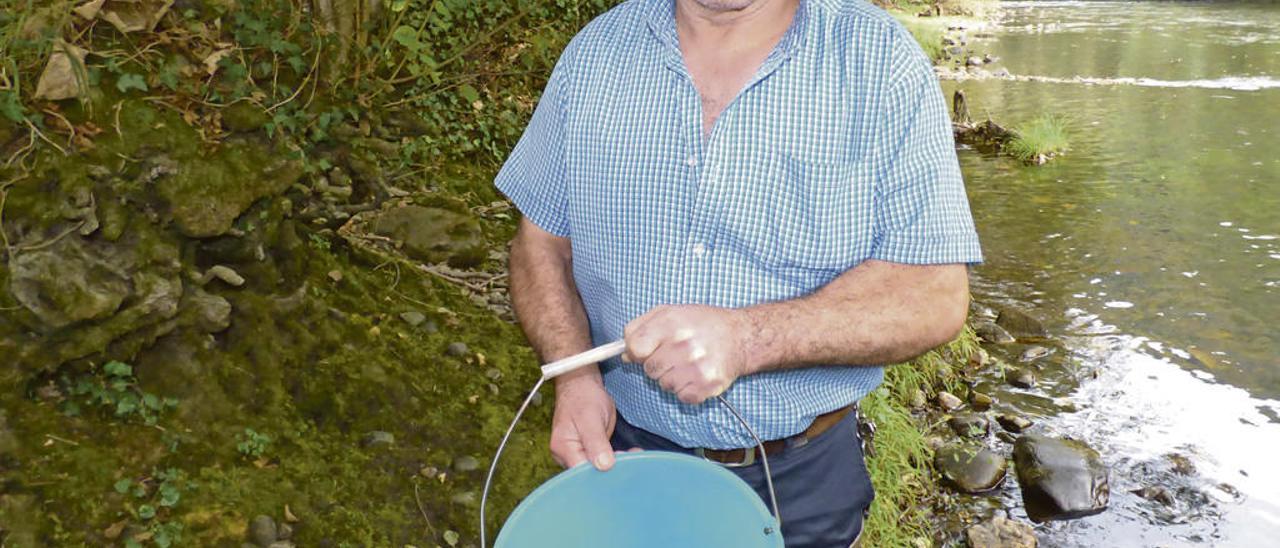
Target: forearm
[
  {"x": 546, "y": 300},
  {"x": 876, "y": 313}
]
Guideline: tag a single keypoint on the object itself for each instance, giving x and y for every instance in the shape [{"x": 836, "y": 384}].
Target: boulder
[
  {"x": 970, "y": 468},
  {"x": 1020, "y": 324},
  {"x": 432, "y": 235},
  {"x": 207, "y": 193},
  {"x": 1060, "y": 478},
  {"x": 68, "y": 282},
  {"x": 1001, "y": 532}
]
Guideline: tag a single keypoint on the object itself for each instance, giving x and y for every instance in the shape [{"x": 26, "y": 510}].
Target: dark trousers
[{"x": 822, "y": 486}]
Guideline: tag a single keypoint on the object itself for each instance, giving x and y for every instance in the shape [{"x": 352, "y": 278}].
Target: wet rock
[
  {"x": 970, "y": 425},
  {"x": 1155, "y": 493},
  {"x": 263, "y": 531},
  {"x": 1035, "y": 353},
  {"x": 1020, "y": 324},
  {"x": 1007, "y": 437},
  {"x": 433, "y": 235},
  {"x": 974, "y": 61},
  {"x": 1060, "y": 478},
  {"x": 992, "y": 333},
  {"x": 948, "y": 401},
  {"x": 378, "y": 438},
  {"x": 286, "y": 531},
  {"x": 413, "y": 318},
  {"x": 970, "y": 468},
  {"x": 466, "y": 463},
  {"x": 457, "y": 349},
  {"x": 918, "y": 399},
  {"x": 1014, "y": 423},
  {"x": 1001, "y": 532},
  {"x": 68, "y": 282},
  {"x": 954, "y": 51},
  {"x": 980, "y": 401},
  {"x": 1001, "y": 73},
  {"x": 1020, "y": 377},
  {"x": 988, "y": 59},
  {"x": 979, "y": 359},
  {"x": 1181, "y": 464}
]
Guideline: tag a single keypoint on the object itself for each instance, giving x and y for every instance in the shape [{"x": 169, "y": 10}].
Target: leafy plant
[
  {"x": 155, "y": 498},
  {"x": 114, "y": 390},
  {"x": 252, "y": 444}
]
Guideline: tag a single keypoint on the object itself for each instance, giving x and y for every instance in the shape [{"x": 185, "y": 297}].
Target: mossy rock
[
  {"x": 207, "y": 193},
  {"x": 433, "y": 235},
  {"x": 244, "y": 117}
]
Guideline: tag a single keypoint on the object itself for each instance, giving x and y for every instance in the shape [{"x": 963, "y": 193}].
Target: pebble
[
  {"x": 335, "y": 275},
  {"x": 493, "y": 373},
  {"x": 413, "y": 317},
  {"x": 378, "y": 437},
  {"x": 918, "y": 399},
  {"x": 466, "y": 463},
  {"x": 1001, "y": 532},
  {"x": 1035, "y": 353},
  {"x": 465, "y": 498},
  {"x": 263, "y": 531},
  {"x": 1014, "y": 423},
  {"x": 1021, "y": 378},
  {"x": 537, "y": 399},
  {"x": 224, "y": 273},
  {"x": 980, "y": 401},
  {"x": 458, "y": 349},
  {"x": 949, "y": 401},
  {"x": 1155, "y": 493}
]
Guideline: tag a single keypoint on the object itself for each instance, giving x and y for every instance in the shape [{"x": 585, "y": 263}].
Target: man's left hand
[{"x": 694, "y": 352}]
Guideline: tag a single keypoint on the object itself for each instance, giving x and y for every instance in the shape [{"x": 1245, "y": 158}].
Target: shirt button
[
  {"x": 691, "y": 161},
  {"x": 699, "y": 250}
]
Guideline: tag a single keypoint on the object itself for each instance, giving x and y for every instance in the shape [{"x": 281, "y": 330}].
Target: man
[{"x": 762, "y": 197}]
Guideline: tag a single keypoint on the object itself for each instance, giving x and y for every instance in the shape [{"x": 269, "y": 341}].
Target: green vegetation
[
  {"x": 245, "y": 135},
  {"x": 1039, "y": 140},
  {"x": 251, "y": 444},
  {"x": 901, "y": 464},
  {"x": 928, "y": 32}
]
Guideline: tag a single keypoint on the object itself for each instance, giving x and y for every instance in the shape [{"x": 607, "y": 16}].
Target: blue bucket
[{"x": 649, "y": 499}]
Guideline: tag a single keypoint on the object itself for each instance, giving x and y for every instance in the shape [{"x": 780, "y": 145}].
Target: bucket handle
[{"x": 576, "y": 361}]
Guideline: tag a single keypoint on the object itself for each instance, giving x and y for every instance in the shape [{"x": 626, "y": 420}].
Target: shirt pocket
[{"x": 803, "y": 218}]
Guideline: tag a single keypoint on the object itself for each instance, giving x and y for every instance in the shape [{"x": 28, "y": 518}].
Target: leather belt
[{"x": 734, "y": 458}]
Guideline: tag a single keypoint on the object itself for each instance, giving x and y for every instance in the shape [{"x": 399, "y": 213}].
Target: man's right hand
[{"x": 583, "y": 421}]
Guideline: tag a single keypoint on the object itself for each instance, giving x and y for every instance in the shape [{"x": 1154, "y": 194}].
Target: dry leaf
[
  {"x": 59, "y": 80},
  {"x": 136, "y": 15},
  {"x": 113, "y": 531},
  {"x": 211, "y": 62},
  {"x": 89, "y": 10},
  {"x": 288, "y": 515}
]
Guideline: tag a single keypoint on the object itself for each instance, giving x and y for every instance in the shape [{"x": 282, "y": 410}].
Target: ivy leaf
[
  {"x": 407, "y": 37},
  {"x": 129, "y": 80},
  {"x": 399, "y": 5},
  {"x": 123, "y": 485},
  {"x": 146, "y": 511},
  {"x": 469, "y": 93},
  {"x": 118, "y": 369},
  {"x": 451, "y": 537}
]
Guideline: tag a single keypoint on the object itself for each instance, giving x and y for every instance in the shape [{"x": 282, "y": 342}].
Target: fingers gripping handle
[{"x": 595, "y": 355}]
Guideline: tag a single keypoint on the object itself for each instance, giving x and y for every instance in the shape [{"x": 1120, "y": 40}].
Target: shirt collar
[{"x": 660, "y": 15}]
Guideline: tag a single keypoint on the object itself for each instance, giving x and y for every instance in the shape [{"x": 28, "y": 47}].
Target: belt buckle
[{"x": 747, "y": 460}]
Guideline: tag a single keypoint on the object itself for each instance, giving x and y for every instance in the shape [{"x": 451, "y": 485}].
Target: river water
[{"x": 1152, "y": 247}]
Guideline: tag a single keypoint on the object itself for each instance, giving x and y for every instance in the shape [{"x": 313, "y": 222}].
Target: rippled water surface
[{"x": 1154, "y": 245}]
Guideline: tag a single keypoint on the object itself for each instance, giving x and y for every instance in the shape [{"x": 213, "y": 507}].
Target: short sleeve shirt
[{"x": 837, "y": 151}]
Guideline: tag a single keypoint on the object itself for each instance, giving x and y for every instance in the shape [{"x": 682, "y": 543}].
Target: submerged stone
[
  {"x": 1021, "y": 378},
  {"x": 992, "y": 333},
  {"x": 1001, "y": 532},
  {"x": 1020, "y": 324},
  {"x": 970, "y": 425},
  {"x": 1060, "y": 478},
  {"x": 1014, "y": 423},
  {"x": 970, "y": 468}
]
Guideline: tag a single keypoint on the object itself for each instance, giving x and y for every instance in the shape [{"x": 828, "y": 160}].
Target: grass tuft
[
  {"x": 901, "y": 467},
  {"x": 927, "y": 31},
  {"x": 1040, "y": 139}
]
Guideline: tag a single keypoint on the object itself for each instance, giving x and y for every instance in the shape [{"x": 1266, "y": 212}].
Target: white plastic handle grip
[{"x": 597, "y": 354}]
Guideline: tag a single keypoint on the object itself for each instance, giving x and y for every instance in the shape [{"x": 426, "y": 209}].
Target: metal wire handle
[{"x": 594, "y": 355}]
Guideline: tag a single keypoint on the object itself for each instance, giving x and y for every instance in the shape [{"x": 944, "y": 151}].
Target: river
[{"x": 1152, "y": 248}]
